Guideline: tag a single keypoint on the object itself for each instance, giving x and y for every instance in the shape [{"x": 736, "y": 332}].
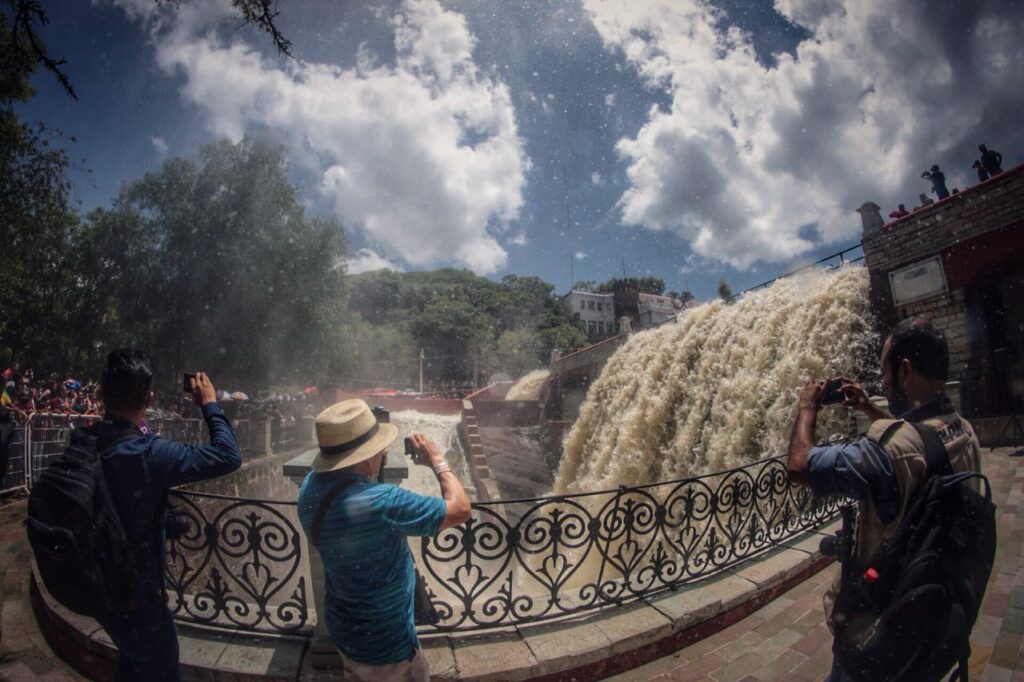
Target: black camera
[
  {"x": 410, "y": 449},
  {"x": 831, "y": 394},
  {"x": 175, "y": 525}
]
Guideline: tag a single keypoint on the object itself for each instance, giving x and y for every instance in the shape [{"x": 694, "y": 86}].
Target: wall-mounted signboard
[{"x": 921, "y": 280}]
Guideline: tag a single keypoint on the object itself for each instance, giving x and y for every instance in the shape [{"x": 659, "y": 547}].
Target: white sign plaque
[{"x": 921, "y": 280}]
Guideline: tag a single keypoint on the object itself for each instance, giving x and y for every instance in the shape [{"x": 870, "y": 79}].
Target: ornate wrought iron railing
[
  {"x": 529, "y": 560},
  {"x": 239, "y": 564},
  {"x": 243, "y": 564}
]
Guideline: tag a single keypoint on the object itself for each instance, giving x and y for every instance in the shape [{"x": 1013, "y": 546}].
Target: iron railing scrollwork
[
  {"x": 524, "y": 561},
  {"x": 243, "y": 564},
  {"x": 238, "y": 564}
]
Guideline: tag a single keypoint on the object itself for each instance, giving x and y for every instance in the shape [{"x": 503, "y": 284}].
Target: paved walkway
[
  {"x": 24, "y": 654},
  {"x": 788, "y": 640}
]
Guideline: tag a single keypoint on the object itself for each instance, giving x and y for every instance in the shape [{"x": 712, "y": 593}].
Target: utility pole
[
  {"x": 568, "y": 230},
  {"x": 421, "y": 371},
  {"x": 623, "y": 267}
]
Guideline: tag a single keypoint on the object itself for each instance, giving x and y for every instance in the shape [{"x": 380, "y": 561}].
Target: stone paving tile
[
  {"x": 24, "y": 653},
  {"x": 779, "y": 667},
  {"x": 740, "y": 668},
  {"x": 795, "y": 644}
]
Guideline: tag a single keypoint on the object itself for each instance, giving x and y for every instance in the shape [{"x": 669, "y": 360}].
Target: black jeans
[{"x": 148, "y": 644}]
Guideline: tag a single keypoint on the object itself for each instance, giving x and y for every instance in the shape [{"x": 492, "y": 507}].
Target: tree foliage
[
  {"x": 724, "y": 290},
  {"x": 468, "y": 326},
  {"x": 24, "y": 49},
  {"x": 644, "y": 285},
  {"x": 228, "y": 273},
  {"x": 210, "y": 265}
]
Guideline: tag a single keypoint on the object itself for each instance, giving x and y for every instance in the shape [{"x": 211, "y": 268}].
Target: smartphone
[
  {"x": 186, "y": 383},
  {"x": 831, "y": 394}
]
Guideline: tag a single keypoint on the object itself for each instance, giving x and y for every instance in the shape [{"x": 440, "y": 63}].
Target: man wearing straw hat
[{"x": 360, "y": 527}]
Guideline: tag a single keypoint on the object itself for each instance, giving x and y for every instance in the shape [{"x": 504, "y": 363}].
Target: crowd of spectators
[{"x": 24, "y": 394}]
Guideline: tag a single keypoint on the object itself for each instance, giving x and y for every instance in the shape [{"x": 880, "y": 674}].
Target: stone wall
[
  {"x": 472, "y": 445},
  {"x": 496, "y": 391},
  {"x": 397, "y": 403},
  {"x": 978, "y": 235},
  {"x": 259, "y": 478},
  {"x": 508, "y": 412},
  {"x": 977, "y": 210}
]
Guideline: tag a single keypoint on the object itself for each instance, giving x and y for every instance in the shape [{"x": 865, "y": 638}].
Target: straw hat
[{"x": 348, "y": 433}]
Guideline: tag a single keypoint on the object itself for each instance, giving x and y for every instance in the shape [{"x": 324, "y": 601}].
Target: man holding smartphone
[
  {"x": 361, "y": 528},
  {"x": 139, "y": 469}
]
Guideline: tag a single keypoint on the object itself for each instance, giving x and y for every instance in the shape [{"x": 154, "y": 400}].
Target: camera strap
[{"x": 321, "y": 510}]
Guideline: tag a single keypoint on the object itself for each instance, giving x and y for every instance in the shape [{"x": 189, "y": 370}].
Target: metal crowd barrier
[{"x": 44, "y": 436}]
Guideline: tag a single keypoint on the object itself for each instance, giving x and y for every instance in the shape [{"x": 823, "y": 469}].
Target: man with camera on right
[{"x": 914, "y": 569}]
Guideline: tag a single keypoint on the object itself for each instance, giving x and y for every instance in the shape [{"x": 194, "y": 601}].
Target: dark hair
[
  {"x": 127, "y": 379},
  {"x": 925, "y": 346}
]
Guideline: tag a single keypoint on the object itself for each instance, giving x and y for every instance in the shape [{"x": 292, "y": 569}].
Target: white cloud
[
  {"x": 746, "y": 154},
  {"x": 424, "y": 156},
  {"x": 367, "y": 260},
  {"x": 519, "y": 239},
  {"x": 159, "y": 144},
  {"x": 596, "y": 179}
]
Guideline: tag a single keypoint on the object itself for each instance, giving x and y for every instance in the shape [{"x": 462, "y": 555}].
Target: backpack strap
[
  {"x": 935, "y": 456},
  {"x": 321, "y": 510}
]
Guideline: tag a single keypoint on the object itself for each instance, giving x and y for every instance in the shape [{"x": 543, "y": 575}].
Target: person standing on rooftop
[
  {"x": 991, "y": 160},
  {"x": 938, "y": 180}
]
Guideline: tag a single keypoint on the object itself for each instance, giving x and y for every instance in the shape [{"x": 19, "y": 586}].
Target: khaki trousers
[{"x": 413, "y": 670}]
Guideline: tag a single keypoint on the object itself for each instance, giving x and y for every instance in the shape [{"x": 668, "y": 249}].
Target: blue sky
[{"x": 699, "y": 140}]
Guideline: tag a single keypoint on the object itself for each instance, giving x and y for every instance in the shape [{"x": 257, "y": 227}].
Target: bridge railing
[
  {"x": 529, "y": 560},
  {"x": 242, "y": 564},
  {"x": 238, "y": 564}
]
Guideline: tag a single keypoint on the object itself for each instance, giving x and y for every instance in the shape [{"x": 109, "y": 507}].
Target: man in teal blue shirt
[{"x": 361, "y": 528}]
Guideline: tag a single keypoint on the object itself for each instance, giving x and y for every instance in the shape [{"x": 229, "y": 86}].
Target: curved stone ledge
[
  {"x": 588, "y": 646},
  {"x": 615, "y": 640},
  {"x": 205, "y": 654}
]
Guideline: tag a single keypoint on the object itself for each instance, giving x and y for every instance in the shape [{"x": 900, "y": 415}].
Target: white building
[
  {"x": 653, "y": 310},
  {"x": 593, "y": 313}
]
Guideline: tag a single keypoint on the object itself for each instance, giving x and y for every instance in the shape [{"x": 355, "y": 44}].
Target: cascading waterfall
[
  {"x": 718, "y": 388},
  {"x": 443, "y": 430},
  {"x": 529, "y": 386}
]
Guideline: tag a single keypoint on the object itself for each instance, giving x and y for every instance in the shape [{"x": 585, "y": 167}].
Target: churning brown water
[
  {"x": 529, "y": 386},
  {"x": 717, "y": 389}
]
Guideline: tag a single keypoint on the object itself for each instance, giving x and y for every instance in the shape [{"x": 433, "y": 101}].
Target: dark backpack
[
  {"x": 923, "y": 588},
  {"x": 80, "y": 547}
]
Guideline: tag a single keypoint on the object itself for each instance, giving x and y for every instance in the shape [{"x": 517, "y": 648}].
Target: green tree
[
  {"x": 231, "y": 276},
  {"x": 588, "y": 285},
  {"x": 518, "y": 351},
  {"x": 724, "y": 290},
  {"x": 644, "y": 285},
  {"x": 37, "y": 221}
]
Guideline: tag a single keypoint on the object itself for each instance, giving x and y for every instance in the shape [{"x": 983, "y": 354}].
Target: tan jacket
[{"x": 903, "y": 444}]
